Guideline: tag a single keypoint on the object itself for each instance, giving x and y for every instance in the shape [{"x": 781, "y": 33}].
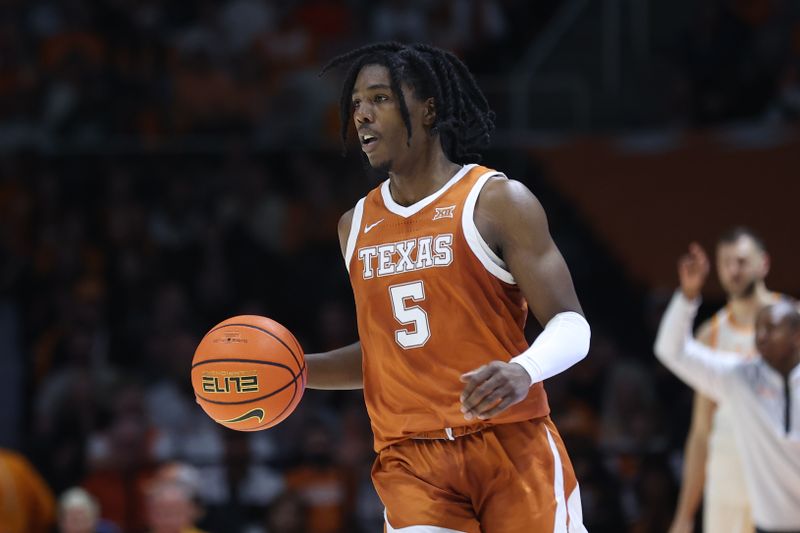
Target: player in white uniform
[
  {"x": 763, "y": 393},
  {"x": 726, "y": 507},
  {"x": 711, "y": 457}
]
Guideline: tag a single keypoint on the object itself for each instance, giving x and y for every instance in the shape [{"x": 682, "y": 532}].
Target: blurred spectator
[
  {"x": 11, "y": 382},
  {"x": 120, "y": 459},
  {"x": 243, "y": 20},
  {"x": 326, "y": 487},
  {"x": 355, "y": 453},
  {"x": 630, "y": 417},
  {"x": 182, "y": 430},
  {"x": 398, "y": 20},
  {"x": 205, "y": 95},
  {"x": 26, "y": 503},
  {"x": 288, "y": 514},
  {"x": 68, "y": 402},
  {"x": 734, "y": 55},
  {"x": 788, "y": 98},
  {"x": 600, "y": 488},
  {"x": 469, "y": 28},
  {"x": 171, "y": 508},
  {"x": 177, "y": 472},
  {"x": 329, "y": 22},
  {"x": 237, "y": 490},
  {"x": 656, "y": 494},
  {"x": 78, "y": 512}
]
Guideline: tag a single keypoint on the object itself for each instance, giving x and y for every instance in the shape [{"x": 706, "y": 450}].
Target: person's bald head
[
  {"x": 778, "y": 333},
  {"x": 782, "y": 310}
]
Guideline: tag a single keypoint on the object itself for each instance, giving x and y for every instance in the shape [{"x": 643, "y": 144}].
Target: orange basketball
[{"x": 248, "y": 373}]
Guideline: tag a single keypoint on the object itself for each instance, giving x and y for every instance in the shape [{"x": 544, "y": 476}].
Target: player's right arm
[
  {"x": 697, "y": 365},
  {"x": 338, "y": 369},
  {"x": 695, "y": 454}
]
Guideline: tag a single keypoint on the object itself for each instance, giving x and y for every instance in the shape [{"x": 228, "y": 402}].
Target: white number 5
[{"x": 408, "y": 315}]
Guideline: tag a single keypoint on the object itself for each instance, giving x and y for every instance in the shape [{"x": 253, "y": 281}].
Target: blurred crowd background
[{"x": 165, "y": 165}]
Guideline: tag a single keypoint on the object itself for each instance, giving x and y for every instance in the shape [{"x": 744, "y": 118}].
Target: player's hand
[
  {"x": 693, "y": 270},
  {"x": 493, "y": 388}
]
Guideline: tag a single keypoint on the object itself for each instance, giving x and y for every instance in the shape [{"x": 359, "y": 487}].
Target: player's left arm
[{"x": 513, "y": 223}]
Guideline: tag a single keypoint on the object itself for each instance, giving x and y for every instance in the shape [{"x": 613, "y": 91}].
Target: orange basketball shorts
[{"x": 508, "y": 478}]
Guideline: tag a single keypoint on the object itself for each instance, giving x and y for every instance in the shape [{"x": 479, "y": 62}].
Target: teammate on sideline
[
  {"x": 444, "y": 259},
  {"x": 710, "y": 456},
  {"x": 762, "y": 393}
]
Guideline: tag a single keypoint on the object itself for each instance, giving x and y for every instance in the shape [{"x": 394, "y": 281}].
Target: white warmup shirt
[
  {"x": 766, "y": 409},
  {"x": 725, "y": 486}
]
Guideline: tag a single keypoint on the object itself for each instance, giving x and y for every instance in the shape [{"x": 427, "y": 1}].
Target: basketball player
[
  {"x": 762, "y": 394},
  {"x": 710, "y": 454},
  {"x": 445, "y": 257}
]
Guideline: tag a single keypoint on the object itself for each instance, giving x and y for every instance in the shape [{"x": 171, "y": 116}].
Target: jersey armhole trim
[
  {"x": 355, "y": 227},
  {"x": 490, "y": 260}
]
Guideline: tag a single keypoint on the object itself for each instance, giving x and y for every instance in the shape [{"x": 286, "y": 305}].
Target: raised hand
[{"x": 693, "y": 269}]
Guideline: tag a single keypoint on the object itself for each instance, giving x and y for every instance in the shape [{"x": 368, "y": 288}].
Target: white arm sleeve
[
  {"x": 564, "y": 342},
  {"x": 699, "y": 366}
]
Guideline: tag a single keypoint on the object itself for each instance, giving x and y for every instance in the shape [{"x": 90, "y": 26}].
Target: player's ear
[{"x": 429, "y": 112}]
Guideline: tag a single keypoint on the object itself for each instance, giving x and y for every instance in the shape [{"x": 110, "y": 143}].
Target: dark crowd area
[
  {"x": 116, "y": 72},
  {"x": 77, "y": 72},
  {"x": 166, "y": 165}
]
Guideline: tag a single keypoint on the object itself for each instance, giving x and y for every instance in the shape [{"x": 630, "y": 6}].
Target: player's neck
[
  {"x": 744, "y": 309},
  {"x": 421, "y": 177}
]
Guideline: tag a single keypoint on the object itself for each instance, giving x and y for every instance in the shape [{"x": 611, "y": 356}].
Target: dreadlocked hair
[{"x": 463, "y": 120}]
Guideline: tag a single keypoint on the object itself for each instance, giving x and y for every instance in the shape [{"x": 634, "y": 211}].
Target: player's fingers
[
  {"x": 685, "y": 259},
  {"x": 698, "y": 254},
  {"x": 504, "y": 404},
  {"x": 479, "y": 374},
  {"x": 480, "y": 392},
  {"x": 696, "y": 250},
  {"x": 490, "y": 400},
  {"x": 473, "y": 378}
]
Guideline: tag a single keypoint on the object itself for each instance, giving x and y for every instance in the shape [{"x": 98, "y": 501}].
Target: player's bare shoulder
[
  {"x": 504, "y": 208},
  {"x": 345, "y": 222}
]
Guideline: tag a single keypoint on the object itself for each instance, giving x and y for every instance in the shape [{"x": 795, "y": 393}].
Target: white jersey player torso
[{"x": 724, "y": 475}]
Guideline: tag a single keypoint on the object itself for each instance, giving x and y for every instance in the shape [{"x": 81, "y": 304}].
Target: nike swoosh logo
[
  {"x": 370, "y": 226},
  {"x": 253, "y": 413}
]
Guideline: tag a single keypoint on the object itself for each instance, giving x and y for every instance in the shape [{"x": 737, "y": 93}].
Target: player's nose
[{"x": 363, "y": 115}]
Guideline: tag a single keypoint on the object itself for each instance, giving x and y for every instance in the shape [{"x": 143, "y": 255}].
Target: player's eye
[
  {"x": 355, "y": 104},
  {"x": 381, "y": 98}
]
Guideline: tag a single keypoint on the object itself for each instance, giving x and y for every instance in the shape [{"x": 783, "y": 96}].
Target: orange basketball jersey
[{"x": 433, "y": 302}]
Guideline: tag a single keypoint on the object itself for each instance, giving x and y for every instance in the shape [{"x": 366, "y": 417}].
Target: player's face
[
  {"x": 77, "y": 520},
  {"x": 379, "y": 124},
  {"x": 777, "y": 338},
  {"x": 741, "y": 265}
]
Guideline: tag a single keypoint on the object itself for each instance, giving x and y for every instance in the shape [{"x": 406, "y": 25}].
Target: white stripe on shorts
[
  {"x": 417, "y": 529},
  {"x": 558, "y": 487}
]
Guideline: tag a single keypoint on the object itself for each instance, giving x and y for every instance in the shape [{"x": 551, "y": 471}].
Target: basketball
[{"x": 248, "y": 373}]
